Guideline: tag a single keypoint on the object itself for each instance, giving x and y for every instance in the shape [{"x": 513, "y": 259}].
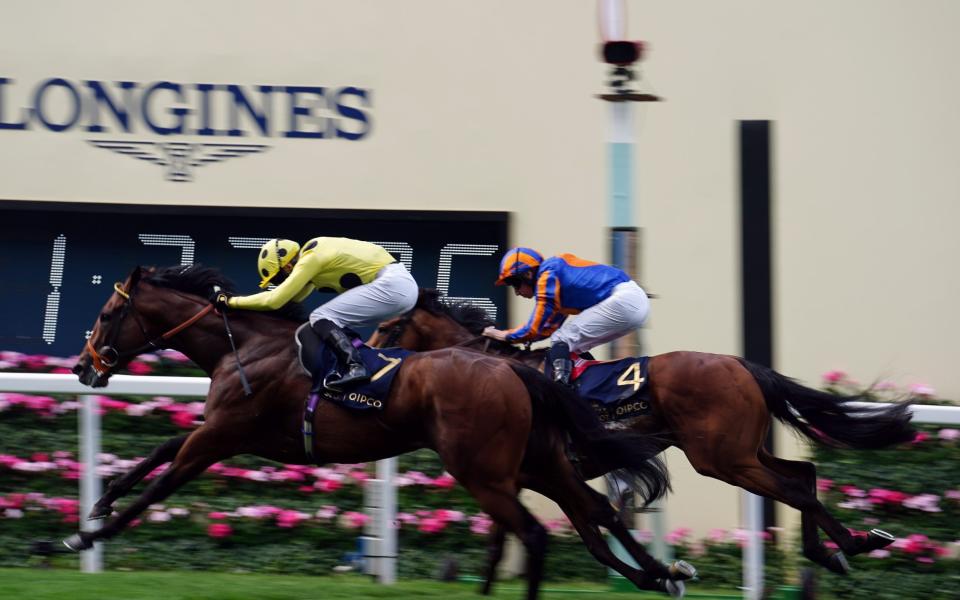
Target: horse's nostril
[{"x": 77, "y": 369}]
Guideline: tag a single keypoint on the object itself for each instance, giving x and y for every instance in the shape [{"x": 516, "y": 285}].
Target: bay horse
[
  {"x": 716, "y": 409},
  {"x": 490, "y": 421}
]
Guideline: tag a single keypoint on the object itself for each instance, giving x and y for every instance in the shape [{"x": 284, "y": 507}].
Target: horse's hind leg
[
  {"x": 498, "y": 537},
  {"x": 122, "y": 485},
  {"x": 201, "y": 449},
  {"x": 812, "y": 548},
  {"x": 503, "y": 507},
  {"x": 745, "y": 470}
]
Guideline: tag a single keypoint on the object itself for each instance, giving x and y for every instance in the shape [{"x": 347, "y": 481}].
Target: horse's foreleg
[
  {"x": 587, "y": 511},
  {"x": 122, "y": 485},
  {"x": 200, "y": 451},
  {"x": 498, "y": 537}
]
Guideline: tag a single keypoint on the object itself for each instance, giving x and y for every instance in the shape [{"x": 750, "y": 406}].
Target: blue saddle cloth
[
  {"x": 617, "y": 389},
  {"x": 383, "y": 364}
]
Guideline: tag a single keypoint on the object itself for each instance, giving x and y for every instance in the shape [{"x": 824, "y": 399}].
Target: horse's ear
[
  {"x": 134, "y": 276},
  {"x": 427, "y": 297}
]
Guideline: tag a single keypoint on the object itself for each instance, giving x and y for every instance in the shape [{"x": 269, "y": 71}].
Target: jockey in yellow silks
[
  {"x": 609, "y": 304},
  {"x": 371, "y": 284}
]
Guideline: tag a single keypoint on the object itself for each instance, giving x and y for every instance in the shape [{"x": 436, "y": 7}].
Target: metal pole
[
  {"x": 91, "y": 561},
  {"x": 386, "y": 470},
  {"x": 753, "y": 552}
]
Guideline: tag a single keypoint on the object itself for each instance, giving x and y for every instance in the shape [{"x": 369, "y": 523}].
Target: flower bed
[{"x": 913, "y": 492}]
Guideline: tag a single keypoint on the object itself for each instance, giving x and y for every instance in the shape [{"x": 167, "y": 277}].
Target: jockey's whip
[{"x": 226, "y": 324}]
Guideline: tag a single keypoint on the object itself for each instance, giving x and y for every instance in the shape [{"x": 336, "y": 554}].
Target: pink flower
[
  {"x": 432, "y": 525},
  {"x": 881, "y": 496},
  {"x": 217, "y": 515},
  {"x": 824, "y": 485},
  {"x": 353, "y": 520},
  {"x": 219, "y": 530},
  {"x": 445, "y": 481},
  {"x": 834, "y": 376},
  {"x": 326, "y": 512},
  {"x": 949, "y": 435},
  {"x": 924, "y": 502},
  {"x": 853, "y": 491},
  {"x": 182, "y": 419},
  {"x": 480, "y": 524},
  {"x": 328, "y": 485},
  {"x": 139, "y": 367},
  {"x": 921, "y": 436},
  {"x": 290, "y": 518},
  {"x": 717, "y": 536},
  {"x": 448, "y": 516},
  {"x": 922, "y": 389},
  {"x": 678, "y": 536}
]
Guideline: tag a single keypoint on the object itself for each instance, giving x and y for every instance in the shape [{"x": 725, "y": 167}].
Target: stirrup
[{"x": 335, "y": 381}]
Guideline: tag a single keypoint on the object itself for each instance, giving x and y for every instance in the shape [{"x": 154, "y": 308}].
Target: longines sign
[{"x": 222, "y": 112}]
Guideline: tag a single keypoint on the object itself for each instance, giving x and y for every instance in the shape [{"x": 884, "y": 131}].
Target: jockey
[
  {"x": 371, "y": 284},
  {"x": 610, "y": 304}
]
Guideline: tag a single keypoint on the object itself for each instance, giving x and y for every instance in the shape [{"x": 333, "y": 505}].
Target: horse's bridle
[{"x": 109, "y": 356}]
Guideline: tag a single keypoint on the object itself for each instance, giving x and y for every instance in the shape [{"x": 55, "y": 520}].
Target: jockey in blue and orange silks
[{"x": 609, "y": 304}]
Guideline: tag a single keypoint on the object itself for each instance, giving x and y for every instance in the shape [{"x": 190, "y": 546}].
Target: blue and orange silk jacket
[{"x": 565, "y": 286}]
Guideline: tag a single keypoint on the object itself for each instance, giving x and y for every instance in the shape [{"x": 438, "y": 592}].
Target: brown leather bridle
[{"x": 108, "y": 356}]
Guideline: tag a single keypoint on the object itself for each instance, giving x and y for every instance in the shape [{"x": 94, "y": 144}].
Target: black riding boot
[
  {"x": 342, "y": 346},
  {"x": 558, "y": 359}
]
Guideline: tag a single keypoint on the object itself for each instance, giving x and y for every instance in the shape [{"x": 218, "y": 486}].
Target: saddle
[
  {"x": 320, "y": 363},
  {"x": 616, "y": 389}
]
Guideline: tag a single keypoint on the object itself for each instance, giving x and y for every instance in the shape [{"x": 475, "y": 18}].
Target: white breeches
[
  {"x": 623, "y": 311},
  {"x": 391, "y": 293}
]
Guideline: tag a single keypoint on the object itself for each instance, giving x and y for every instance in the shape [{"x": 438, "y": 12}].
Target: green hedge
[{"x": 912, "y": 492}]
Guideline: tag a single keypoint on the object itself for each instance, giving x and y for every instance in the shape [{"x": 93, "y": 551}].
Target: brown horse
[
  {"x": 490, "y": 421},
  {"x": 716, "y": 409}
]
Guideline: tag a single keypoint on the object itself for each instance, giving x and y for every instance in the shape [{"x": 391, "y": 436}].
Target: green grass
[{"x": 58, "y": 584}]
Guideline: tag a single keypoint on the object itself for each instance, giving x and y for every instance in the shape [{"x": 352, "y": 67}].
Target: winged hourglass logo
[{"x": 179, "y": 158}]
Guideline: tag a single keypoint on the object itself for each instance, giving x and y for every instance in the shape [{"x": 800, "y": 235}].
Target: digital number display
[{"x": 58, "y": 261}]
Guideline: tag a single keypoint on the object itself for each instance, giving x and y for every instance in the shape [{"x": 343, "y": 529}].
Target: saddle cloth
[
  {"x": 617, "y": 389},
  {"x": 382, "y": 364}
]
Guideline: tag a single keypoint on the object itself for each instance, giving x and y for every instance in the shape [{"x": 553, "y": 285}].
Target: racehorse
[
  {"x": 488, "y": 420},
  {"x": 716, "y": 409}
]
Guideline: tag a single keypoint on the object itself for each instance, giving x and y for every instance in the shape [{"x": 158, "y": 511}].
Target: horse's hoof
[
  {"x": 676, "y": 589},
  {"x": 838, "y": 564},
  {"x": 878, "y": 538},
  {"x": 681, "y": 570},
  {"x": 77, "y": 543},
  {"x": 99, "y": 512}
]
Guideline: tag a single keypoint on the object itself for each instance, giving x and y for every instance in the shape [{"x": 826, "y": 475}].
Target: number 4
[{"x": 631, "y": 377}]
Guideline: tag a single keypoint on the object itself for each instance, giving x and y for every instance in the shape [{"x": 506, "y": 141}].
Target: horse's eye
[{"x": 104, "y": 317}]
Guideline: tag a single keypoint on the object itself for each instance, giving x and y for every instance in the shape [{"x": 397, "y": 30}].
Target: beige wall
[{"x": 488, "y": 105}]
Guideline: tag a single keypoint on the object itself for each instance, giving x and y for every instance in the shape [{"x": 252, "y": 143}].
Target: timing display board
[{"x": 58, "y": 261}]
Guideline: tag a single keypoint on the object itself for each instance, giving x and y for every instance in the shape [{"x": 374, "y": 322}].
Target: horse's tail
[
  {"x": 832, "y": 419},
  {"x": 608, "y": 450}
]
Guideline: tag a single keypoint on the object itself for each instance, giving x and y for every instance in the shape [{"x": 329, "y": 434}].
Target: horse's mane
[
  {"x": 473, "y": 318},
  {"x": 199, "y": 280}
]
